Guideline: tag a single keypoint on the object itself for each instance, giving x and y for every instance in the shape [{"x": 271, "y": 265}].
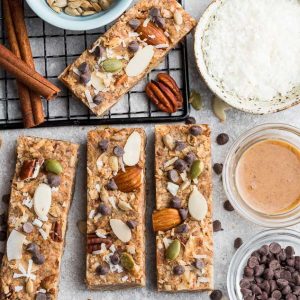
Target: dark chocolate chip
[
  {"x": 32, "y": 248},
  {"x": 268, "y": 274},
  {"x": 175, "y": 202},
  {"x": 134, "y": 23},
  {"x": 1, "y": 256},
  {"x": 190, "y": 120},
  {"x": 238, "y": 242},
  {"x": 179, "y": 145},
  {"x": 154, "y": 12},
  {"x": 27, "y": 227},
  {"x": 252, "y": 262},
  {"x": 228, "y": 206},
  {"x": 297, "y": 263},
  {"x": 199, "y": 264},
  {"x": 248, "y": 272},
  {"x": 274, "y": 264},
  {"x": 182, "y": 228},
  {"x": 264, "y": 250},
  {"x": 6, "y": 198},
  {"x": 53, "y": 180},
  {"x": 180, "y": 165},
  {"x": 290, "y": 297},
  {"x": 111, "y": 185},
  {"x": 84, "y": 68},
  {"x": 133, "y": 46},
  {"x": 286, "y": 290},
  {"x": 259, "y": 270},
  {"x": 296, "y": 290},
  {"x": 178, "y": 270},
  {"x": 85, "y": 78},
  {"x": 222, "y": 139},
  {"x": 160, "y": 22},
  {"x": 42, "y": 296},
  {"x": 38, "y": 258},
  {"x": 276, "y": 294},
  {"x": 218, "y": 168},
  {"x": 3, "y": 235},
  {"x": 246, "y": 292},
  {"x": 285, "y": 274},
  {"x": 256, "y": 289},
  {"x": 131, "y": 224},
  {"x": 265, "y": 286},
  {"x": 173, "y": 176},
  {"x": 217, "y": 226},
  {"x": 3, "y": 219},
  {"x": 103, "y": 145},
  {"x": 98, "y": 99},
  {"x": 115, "y": 259},
  {"x": 275, "y": 248},
  {"x": 118, "y": 151},
  {"x": 99, "y": 51},
  {"x": 245, "y": 283},
  {"x": 281, "y": 283},
  {"x": 273, "y": 285},
  {"x": 195, "y": 130},
  {"x": 281, "y": 255},
  {"x": 102, "y": 270},
  {"x": 104, "y": 209},
  {"x": 189, "y": 158},
  {"x": 183, "y": 213},
  {"x": 289, "y": 250},
  {"x": 216, "y": 295},
  {"x": 290, "y": 262}
]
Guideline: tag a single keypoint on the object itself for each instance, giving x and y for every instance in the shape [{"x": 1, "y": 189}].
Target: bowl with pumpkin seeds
[{"x": 79, "y": 14}]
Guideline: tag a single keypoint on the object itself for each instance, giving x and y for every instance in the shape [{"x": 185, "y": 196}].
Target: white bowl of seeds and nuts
[{"x": 79, "y": 14}]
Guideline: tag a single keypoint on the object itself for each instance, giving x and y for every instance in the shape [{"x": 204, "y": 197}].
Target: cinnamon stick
[
  {"x": 17, "y": 15},
  {"x": 23, "y": 91}
]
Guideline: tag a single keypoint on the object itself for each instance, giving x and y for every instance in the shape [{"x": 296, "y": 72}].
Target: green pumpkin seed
[
  {"x": 53, "y": 166},
  {"x": 173, "y": 250},
  {"x": 112, "y": 65},
  {"x": 196, "y": 169},
  {"x": 196, "y": 100},
  {"x": 127, "y": 261},
  {"x": 219, "y": 108}
]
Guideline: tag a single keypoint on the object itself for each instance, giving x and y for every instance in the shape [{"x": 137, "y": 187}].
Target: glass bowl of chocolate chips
[{"x": 266, "y": 267}]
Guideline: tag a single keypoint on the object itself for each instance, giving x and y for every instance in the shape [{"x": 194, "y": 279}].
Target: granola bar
[
  {"x": 129, "y": 50},
  {"x": 183, "y": 220},
  {"x": 115, "y": 208},
  {"x": 41, "y": 195}
]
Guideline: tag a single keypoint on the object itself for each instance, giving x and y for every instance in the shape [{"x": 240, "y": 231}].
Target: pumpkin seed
[
  {"x": 127, "y": 261},
  {"x": 219, "y": 108},
  {"x": 196, "y": 100},
  {"x": 173, "y": 250},
  {"x": 53, "y": 166},
  {"x": 196, "y": 169},
  {"x": 112, "y": 65}
]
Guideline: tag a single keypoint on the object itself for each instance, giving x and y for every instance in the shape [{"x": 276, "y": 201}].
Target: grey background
[{"x": 73, "y": 265}]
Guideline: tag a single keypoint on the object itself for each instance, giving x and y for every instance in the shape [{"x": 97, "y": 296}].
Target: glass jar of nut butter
[{"x": 261, "y": 175}]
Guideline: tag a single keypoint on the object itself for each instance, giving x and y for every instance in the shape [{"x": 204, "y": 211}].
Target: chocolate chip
[
  {"x": 195, "y": 130},
  {"x": 102, "y": 270},
  {"x": 53, "y": 180},
  {"x": 190, "y": 120},
  {"x": 216, "y": 295},
  {"x": 276, "y": 294},
  {"x": 256, "y": 289},
  {"x": 268, "y": 274},
  {"x": 32, "y": 248},
  {"x": 222, "y": 139},
  {"x": 175, "y": 202},
  {"x": 179, "y": 145},
  {"x": 275, "y": 248},
  {"x": 111, "y": 185},
  {"x": 183, "y": 228},
  {"x": 38, "y": 258},
  {"x": 217, "y": 226},
  {"x": 290, "y": 297},
  {"x": 99, "y": 51},
  {"x": 85, "y": 78},
  {"x": 3, "y": 219},
  {"x": 238, "y": 242},
  {"x": 84, "y": 68},
  {"x": 178, "y": 270},
  {"x": 183, "y": 213},
  {"x": 228, "y": 206},
  {"x": 274, "y": 264},
  {"x": 218, "y": 168},
  {"x": 154, "y": 12},
  {"x": 98, "y": 99},
  {"x": 245, "y": 283},
  {"x": 286, "y": 290},
  {"x": 259, "y": 270},
  {"x": 248, "y": 271},
  {"x": 252, "y": 262},
  {"x": 289, "y": 250},
  {"x": 133, "y": 46},
  {"x": 6, "y": 198},
  {"x": 115, "y": 259},
  {"x": 104, "y": 209},
  {"x": 199, "y": 264},
  {"x": 134, "y": 23},
  {"x": 103, "y": 145},
  {"x": 246, "y": 292},
  {"x": 1, "y": 256},
  {"x": 131, "y": 224},
  {"x": 173, "y": 176},
  {"x": 285, "y": 274},
  {"x": 180, "y": 165},
  {"x": 189, "y": 158},
  {"x": 281, "y": 283},
  {"x": 41, "y": 296},
  {"x": 118, "y": 151},
  {"x": 27, "y": 227},
  {"x": 160, "y": 22}
]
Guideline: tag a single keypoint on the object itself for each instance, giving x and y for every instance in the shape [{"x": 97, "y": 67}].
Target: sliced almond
[
  {"x": 42, "y": 201},
  {"x": 132, "y": 149},
  {"x": 197, "y": 205},
  {"x": 178, "y": 17},
  {"x": 97, "y": 82},
  {"x": 139, "y": 63},
  {"x": 99, "y": 162},
  {"x": 114, "y": 163},
  {"x": 14, "y": 245},
  {"x": 123, "y": 205},
  {"x": 121, "y": 230}
]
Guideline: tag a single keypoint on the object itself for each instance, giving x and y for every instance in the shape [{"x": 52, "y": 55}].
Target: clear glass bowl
[
  {"x": 260, "y": 133},
  {"x": 285, "y": 237}
]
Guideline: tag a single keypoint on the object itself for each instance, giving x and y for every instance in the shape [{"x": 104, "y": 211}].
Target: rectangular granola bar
[
  {"x": 41, "y": 195},
  {"x": 115, "y": 208},
  {"x": 183, "y": 220},
  {"x": 129, "y": 50}
]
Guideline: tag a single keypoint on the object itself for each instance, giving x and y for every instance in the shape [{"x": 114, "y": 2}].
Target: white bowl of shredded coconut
[{"x": 248, "y": 53}]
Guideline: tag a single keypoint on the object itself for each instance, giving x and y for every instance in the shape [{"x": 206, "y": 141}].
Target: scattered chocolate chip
[
  {"x": 118, "y": 151},
  {"x": 216, "y": 295},
  {"x": 104, "y": 209},
  {"x": 160, "y": 22},
  {"x": 183, "y": 213},
  {"x": 115, "y": 259},
  {"x": 154, "y": 12},
  {"x": 3, "y": 235},
  {"x": 175, "y": 202},
  {"x": 228, "y": 206},
  {"x": 27, "y": 227},
  {"x": 103, "y": 145},
  {"x": 180, "y": 165},
  {"x": 85, "y": 78},
  {"x": 217, "y": 226},
  {"x": 6, "y": 198},
  {"x": 199, "y": 264},
  {"x": 99, "y": 51},
  {"x": 195, "y": 130},
  {"x": 275, "y": 248},
  {"x": 41, "y": 296},
  {"x": 133, "y": 46},
  {"x": 179, "y": 145},
  {"x": 84, "y": 68},
  {"x": 38, "y": 258},
  {"x": 218, "y": 168},
  {"x": 32, "y": 248},
  {"x": 131, "y": 224},
  {"x": 182, "y": 228},
  {"x": 53, "y": 180},
  {"x": 222, "y": 139},
  {"x": 98, "y": 99},
  {"x": 190, "y": 120},
  {"x": 238, "y": 242},
  {"x": 134, "y": 23},
  {"x": 102, "y": 270},
  {"x": 111, "y": 185},
  {"x": 178, "y": 270},
  {"x": 189, "y": 158},
  {"x": 173, "y": 176}
]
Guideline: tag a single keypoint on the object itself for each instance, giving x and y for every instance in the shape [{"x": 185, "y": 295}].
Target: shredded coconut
[{"x": 252, "y": 47}]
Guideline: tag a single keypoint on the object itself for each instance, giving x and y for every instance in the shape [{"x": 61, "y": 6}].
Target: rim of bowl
[
  {"x": 77, "y": 23},
  {"x": 275, "y": 223},
  {"x": 250, "y": 246},
  {"x": 259, "y": 110}
]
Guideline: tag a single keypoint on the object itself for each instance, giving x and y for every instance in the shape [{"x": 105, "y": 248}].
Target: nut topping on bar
[
  {"x": 152, "y": 34},
  {"x": 165, "y": 219},
  {"x": 130, "y": 180}
]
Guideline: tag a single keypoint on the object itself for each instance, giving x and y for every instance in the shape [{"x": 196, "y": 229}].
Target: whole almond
[
  {"x": 165, "y": 219},
  {"x": 130, "y": 180}
]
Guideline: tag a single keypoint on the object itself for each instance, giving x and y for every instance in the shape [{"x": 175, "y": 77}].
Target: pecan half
[
  {"x": 56, "y": 233},
  {"x": 94, "y": 242},
  {"x": 164, "y": 93},
  {"x": 27, "y": 169},
  {"x": 152, "y": 34}
]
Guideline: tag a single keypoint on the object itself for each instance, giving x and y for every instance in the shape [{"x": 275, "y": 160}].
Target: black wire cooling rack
[{"x": 53, "y": 49}]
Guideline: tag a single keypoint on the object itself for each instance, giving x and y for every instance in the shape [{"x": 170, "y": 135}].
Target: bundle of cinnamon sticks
[{"x": 19, "y": 62}]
